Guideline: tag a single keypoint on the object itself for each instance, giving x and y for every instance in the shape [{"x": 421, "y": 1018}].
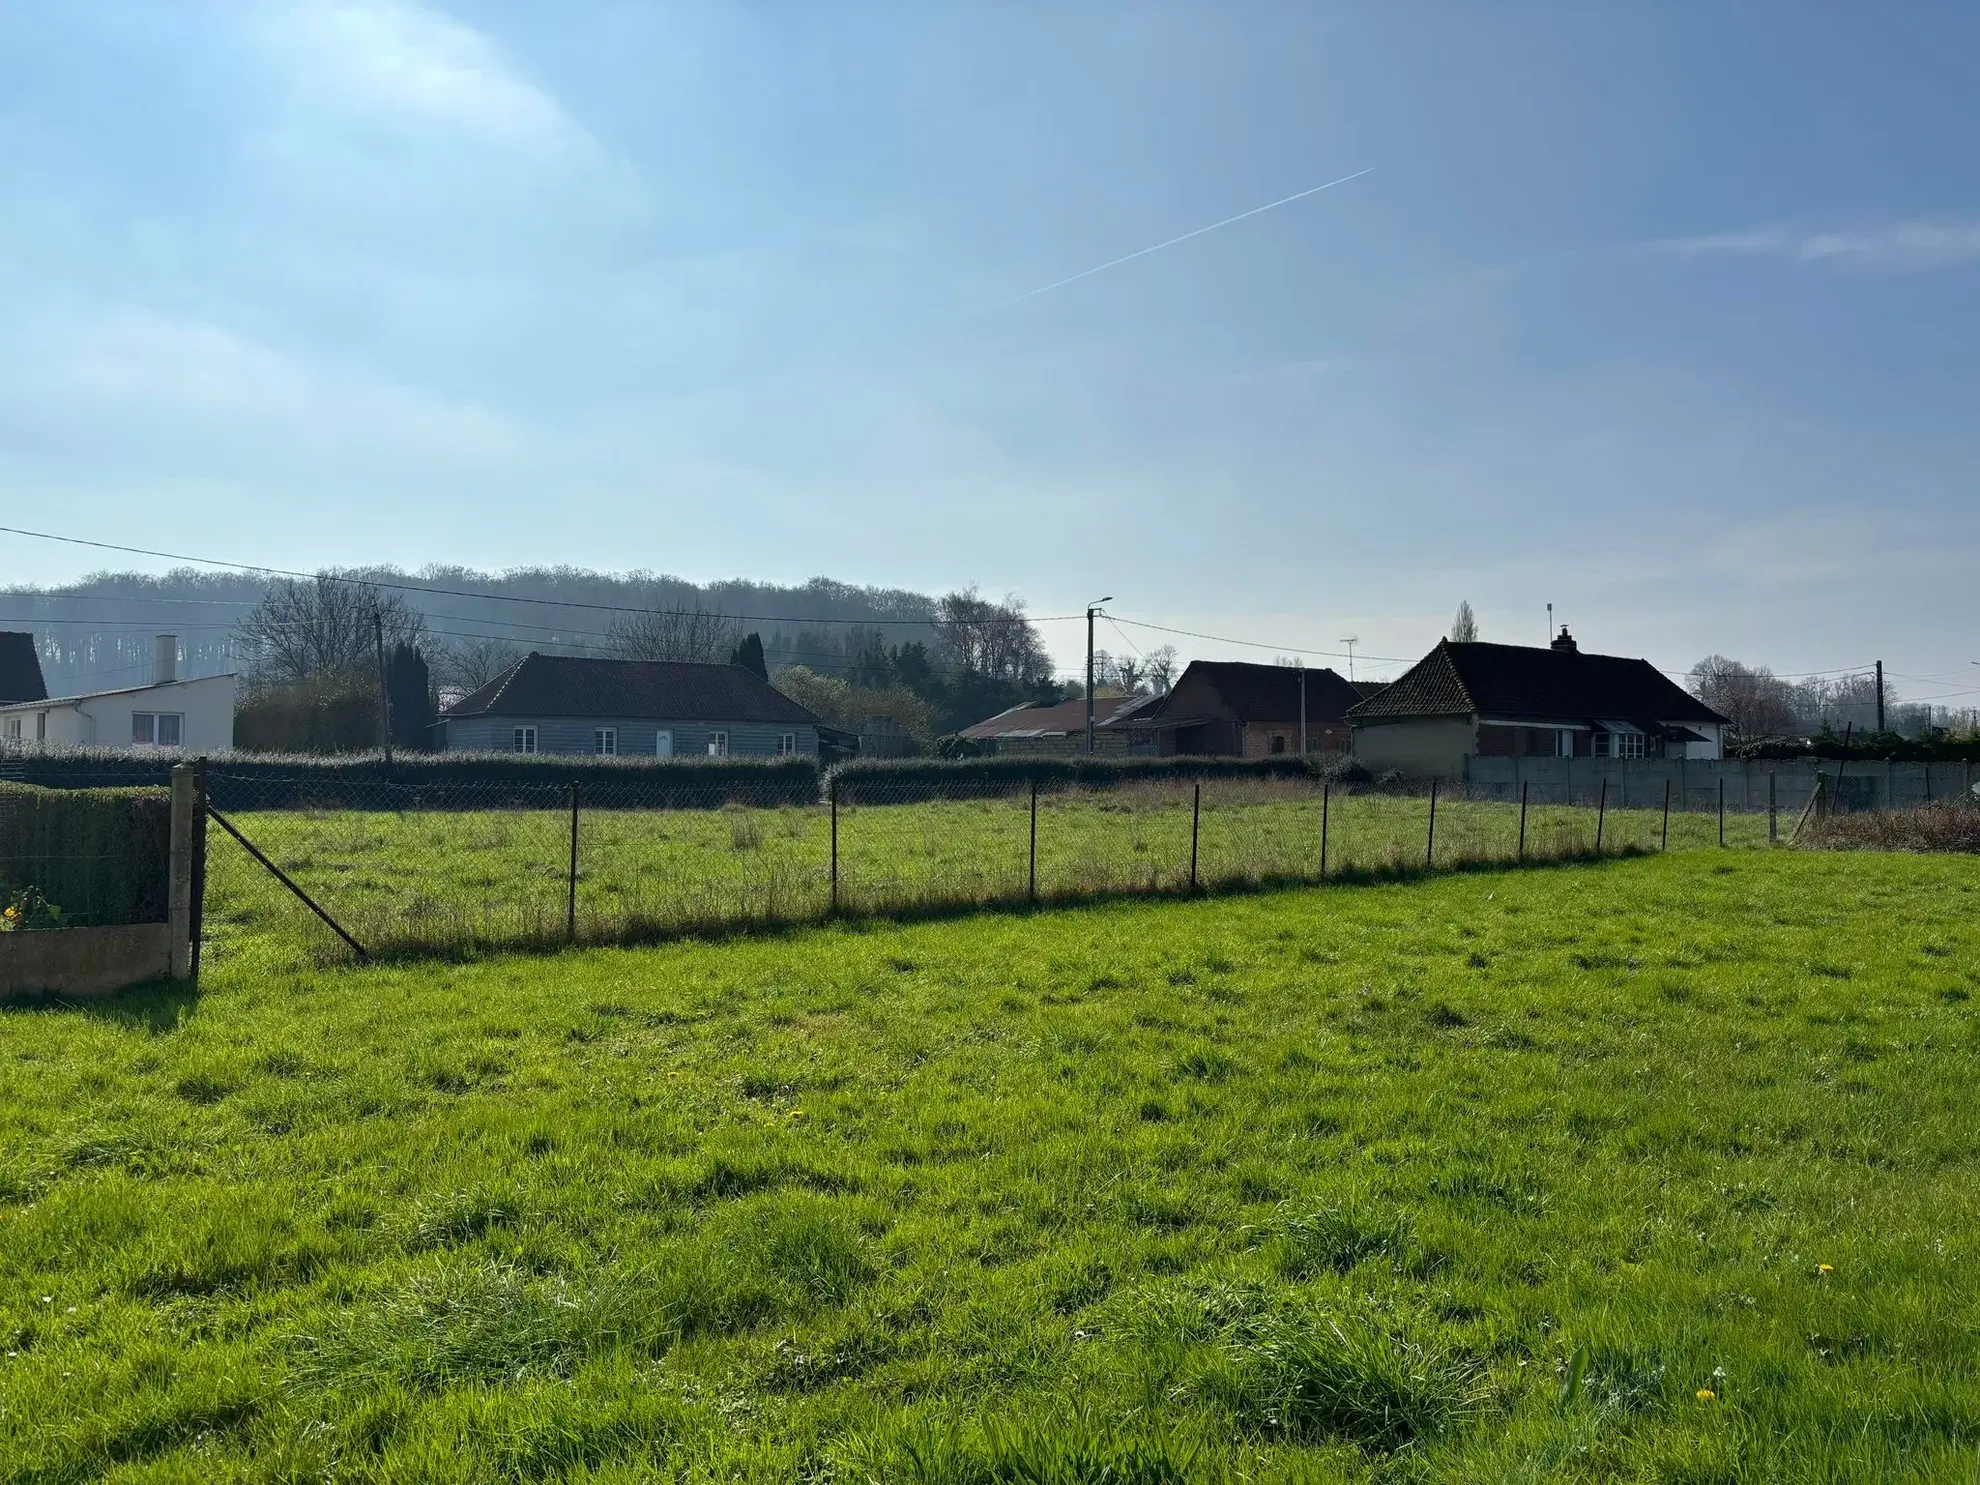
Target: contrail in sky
[{"x": 1144, "y": 252}]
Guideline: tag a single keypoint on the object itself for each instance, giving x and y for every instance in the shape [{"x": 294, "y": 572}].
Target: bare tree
[
  {"x": 1130, "y": 674},
  {"x": 1752, "y": 698},
  {"x": 1464, "y": 628},
  {"x": 1161, "y": 669},
  {"x": 467, "y": 664},
  {"x": 993, "y": 640},
  {"x": 694, "y": 634},
  {"x": 306, "y": 628}
]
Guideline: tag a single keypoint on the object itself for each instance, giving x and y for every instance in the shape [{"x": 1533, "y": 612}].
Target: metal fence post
[
  {"x": 1522, "y": 821},
  {"x": 1430, "y": 847},
  {"x": 1773, "y": 809},
  {"x": 1031, "y": 885},
  {"x": 1601, "y": 813},
  {"x": 1722, "y": 809},
  {"x": 570, "y": 905},
  {"x": 1665, "y": 843},
  {"x": 1326, "y": 791},
  {"x": 833, "y": 793},
  {"x": 1195, "y": 825}
]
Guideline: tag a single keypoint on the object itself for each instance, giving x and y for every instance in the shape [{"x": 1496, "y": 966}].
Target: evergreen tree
[
  {"x": 749, "y": 655},
  {"x": 410, "y": 689}
]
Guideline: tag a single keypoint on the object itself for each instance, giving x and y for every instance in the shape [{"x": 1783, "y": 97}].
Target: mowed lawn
[{"x": 1653, "y": 1169}]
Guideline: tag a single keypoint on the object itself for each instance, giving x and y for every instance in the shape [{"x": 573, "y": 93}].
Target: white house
[{"x": 196, "y": 715}]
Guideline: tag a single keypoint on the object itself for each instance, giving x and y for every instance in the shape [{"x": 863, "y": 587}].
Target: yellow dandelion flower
[
  {"x": 799, "y": 1114},
  {"x": 1706, "y": 1394},
  {"x": 1825, "y": 1269}
]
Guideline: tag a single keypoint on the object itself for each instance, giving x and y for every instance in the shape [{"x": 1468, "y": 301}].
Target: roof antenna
[
  {"x": 1550, "y": 623},
  {"x": 1351, "y": 643}
]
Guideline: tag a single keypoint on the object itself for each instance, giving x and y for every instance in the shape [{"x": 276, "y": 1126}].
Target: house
[
  {"x": 194, "y": 716},
  {"x": 1058, "y": 728},
  {"x": 631, "y": 708},
  {"x": 1521, "y": 701},
  {"x": 1235, "y": 707}
]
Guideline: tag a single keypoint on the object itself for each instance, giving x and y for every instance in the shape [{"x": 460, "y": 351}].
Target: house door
[{"x": 663, "y": 744}]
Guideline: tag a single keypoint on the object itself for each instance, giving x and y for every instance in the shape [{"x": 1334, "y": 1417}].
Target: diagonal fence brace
[{"x": 287, "y": 881}]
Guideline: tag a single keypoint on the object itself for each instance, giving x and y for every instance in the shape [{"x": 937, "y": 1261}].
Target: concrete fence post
[{"x": 179, "y": 868}]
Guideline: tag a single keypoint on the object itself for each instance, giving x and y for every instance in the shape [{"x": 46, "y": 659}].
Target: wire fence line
[{"x": 515, "y": 865}]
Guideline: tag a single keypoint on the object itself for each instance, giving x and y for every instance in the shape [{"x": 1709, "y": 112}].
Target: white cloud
[
  {"x": 1895, "y": 247},
  {"x": 399, "y": 58},
  {"x": 193, "y": 368}
]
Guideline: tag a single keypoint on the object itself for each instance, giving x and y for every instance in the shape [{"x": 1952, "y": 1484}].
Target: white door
[{"x": 663, "y": 744}]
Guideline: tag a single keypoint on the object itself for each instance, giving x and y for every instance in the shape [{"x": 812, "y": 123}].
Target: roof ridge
[{"x": 503, "y": 680}]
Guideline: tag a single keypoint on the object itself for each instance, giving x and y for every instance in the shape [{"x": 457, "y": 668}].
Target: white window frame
[
  {"x": 663, "y": 743},
  {"x": 1627, "y": 744},
  {"x": 41, "y": 726},
  {"x": 144, "y": 729},
  {"x": 178, "y": 728},
  {"x": 522, "y": 740},
  {"x": 13, "y": 729},
  {"x": 787, "y": 745},
  {"x": 605, "y": 742},
  {"x": 718, "y": 744}
]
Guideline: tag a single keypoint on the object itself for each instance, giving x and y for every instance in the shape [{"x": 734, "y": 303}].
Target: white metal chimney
[{"x": 166, "y": 667}]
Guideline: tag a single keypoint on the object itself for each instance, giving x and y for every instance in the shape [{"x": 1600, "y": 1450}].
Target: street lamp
[{"x": 1091, "y": 609}]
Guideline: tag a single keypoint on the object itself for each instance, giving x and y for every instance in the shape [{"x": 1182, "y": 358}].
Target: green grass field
[
  {"x": 1652, "y": 1169},
  {"x": 416, "y": 882}
]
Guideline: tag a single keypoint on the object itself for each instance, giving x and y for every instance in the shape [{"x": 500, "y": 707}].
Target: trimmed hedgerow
[
  {"x": 100, "y": 855},
  {"x": 900, "y": 780},
  {"x": 441, "y": 780}
]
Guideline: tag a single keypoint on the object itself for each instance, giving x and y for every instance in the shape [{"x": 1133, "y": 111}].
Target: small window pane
[
  {"x": 144, "y": 727},
  {"x": 605, "y": 742},
  {"x": 168, "y": 729}
]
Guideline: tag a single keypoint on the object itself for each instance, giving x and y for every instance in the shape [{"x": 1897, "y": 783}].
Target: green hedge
[
  {"x": 100, "y": 855},
  {"x": 442, "y": 780},
  {"x": 899, "y": 780}
]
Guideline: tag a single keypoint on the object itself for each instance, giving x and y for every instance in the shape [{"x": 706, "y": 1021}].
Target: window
[
  {"x": 161, "y": 729},
  {"x": 13, "y": 729},
  {"x": 663, "y": 743},
  {"x": 1627, "y": 744},
  {"x": 1278, "y": 742},
  {"x": 787, "y": 745},
  {"x": 605, "y": 742},
  {"x": 523, "y": 740},
  {"x": 718, "y": 744},
  {"x": 41, "y": 726}
]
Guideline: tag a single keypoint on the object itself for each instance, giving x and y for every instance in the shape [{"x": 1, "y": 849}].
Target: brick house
[{"x": 1233, "y": 707}]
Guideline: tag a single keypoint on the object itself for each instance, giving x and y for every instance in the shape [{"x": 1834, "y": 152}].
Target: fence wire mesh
[{"x": 464, "y": 866}]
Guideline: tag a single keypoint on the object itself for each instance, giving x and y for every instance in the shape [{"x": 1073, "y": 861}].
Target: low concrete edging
[{"x": 84, "y": 961}]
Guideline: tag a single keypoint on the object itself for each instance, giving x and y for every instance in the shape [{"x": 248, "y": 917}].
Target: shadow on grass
[
  {"x": 859, "y": 918},
  {"x": 156, "y": 1007}
]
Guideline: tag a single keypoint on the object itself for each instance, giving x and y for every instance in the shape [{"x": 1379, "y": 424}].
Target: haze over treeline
[{"x": 96, "y": 633}]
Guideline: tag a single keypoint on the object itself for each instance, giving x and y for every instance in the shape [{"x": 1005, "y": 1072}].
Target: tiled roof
[
  {"x": 1060, "y": 717},
  {"x": 1520, "y": 682},
  {"x": 667, "y": 690},
  {"x": 20, "y": 669},
  {"x": 1270, "y": 693}
]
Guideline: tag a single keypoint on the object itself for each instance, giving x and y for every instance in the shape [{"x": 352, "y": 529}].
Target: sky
[{"x": 1665, "y": 315}]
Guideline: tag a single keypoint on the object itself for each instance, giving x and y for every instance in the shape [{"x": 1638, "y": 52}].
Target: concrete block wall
[{"x": 1638, "y": 783}]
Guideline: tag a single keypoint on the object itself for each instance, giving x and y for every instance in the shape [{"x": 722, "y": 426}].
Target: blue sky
[{"x": 1664, "y": 314}]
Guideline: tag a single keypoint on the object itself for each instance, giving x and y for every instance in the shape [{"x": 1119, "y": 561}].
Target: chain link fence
[{"x": 464, "y": 865}]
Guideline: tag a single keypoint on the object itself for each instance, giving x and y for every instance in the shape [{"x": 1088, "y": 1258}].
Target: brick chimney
[
  {"x": 1564, "y": 642},
  {"x": 165, "y": 664}
]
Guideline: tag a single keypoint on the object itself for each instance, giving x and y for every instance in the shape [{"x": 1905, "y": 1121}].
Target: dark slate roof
[
  {"x": 1521, "y": 682},
  {"x": 20, "y": 669},
  {"x": 1270, "y": 693},
  {"x": 1058, "y": 718},
  {"x": 665, "y": 690}
]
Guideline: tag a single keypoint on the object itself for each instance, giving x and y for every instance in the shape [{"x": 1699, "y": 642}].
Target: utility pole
[
  {"x": 1351, "y": 643},
  {"x": 1550, "y": 623},
  {"x": 1880, "y": 696},
  {"x": 384, "y": 691},
  {"x": 1091, "y": 609}
]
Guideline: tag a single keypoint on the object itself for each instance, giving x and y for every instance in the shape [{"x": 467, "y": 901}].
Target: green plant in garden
[{"x": 29, "y": 912}]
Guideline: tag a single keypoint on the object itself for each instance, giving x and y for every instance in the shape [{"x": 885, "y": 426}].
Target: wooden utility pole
[{"x": 1880, "y": 696}]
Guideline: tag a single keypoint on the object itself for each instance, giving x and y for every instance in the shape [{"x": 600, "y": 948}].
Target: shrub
[
  {"x": 101, "y": 854},
  {"x": 364, "y": 781},
  {"x": 1936, "y": 827},
  {"x": 904, "y": 780}
]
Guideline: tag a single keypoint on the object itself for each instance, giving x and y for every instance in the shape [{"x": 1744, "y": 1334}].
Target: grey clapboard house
[{"x": 629, "y": 708}]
